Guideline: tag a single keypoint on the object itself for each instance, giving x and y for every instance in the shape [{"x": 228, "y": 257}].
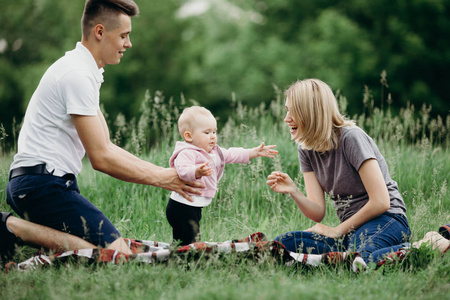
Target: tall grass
[{"x": 415, "y": 145}]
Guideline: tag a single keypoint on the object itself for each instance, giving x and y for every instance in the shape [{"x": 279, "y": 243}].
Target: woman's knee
[{"x": 306, "y": 242}]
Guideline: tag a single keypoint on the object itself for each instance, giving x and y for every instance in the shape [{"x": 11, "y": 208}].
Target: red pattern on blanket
[{"x": 253, "y": 246}]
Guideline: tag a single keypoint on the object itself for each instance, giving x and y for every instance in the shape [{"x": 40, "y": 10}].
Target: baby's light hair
[{"x": 187, "y": 119}]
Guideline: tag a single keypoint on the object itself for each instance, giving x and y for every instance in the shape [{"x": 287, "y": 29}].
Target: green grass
[{"x": 418, "y": 160}]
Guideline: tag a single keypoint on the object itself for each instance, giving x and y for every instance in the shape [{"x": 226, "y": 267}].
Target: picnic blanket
[{"x": 253, "y": 247}]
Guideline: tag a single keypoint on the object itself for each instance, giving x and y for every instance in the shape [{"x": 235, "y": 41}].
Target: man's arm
[{"x": 116, "y": 162}]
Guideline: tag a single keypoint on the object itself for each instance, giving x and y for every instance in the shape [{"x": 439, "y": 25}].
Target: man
[
  {"x": 63, "y": 122},
  {"x": 15, "y": 232}
]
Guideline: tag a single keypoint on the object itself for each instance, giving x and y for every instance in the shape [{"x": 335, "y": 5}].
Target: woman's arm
[
  {"x": 312, "y": 206},
  {"x": 379, "y": 202}
]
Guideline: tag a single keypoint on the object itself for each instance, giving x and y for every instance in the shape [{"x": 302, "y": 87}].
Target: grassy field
[{"x": 416, "y": 147}]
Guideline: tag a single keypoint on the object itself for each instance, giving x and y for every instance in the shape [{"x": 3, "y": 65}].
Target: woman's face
[{"x": 293, "y": 126}]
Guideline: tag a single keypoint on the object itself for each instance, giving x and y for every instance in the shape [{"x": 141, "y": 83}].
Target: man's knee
[{"x": 120, "y": 245}]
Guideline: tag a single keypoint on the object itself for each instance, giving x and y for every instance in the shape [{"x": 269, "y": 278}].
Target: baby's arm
[
  {"x": 262, "y": 150},
  {"x": 185, "y": 164},
  {"x": 203, "y": 170}
]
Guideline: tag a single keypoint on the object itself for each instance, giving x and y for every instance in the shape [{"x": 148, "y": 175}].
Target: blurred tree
[
  {"x": 210, "y": 49},
  {"x": 33, "y": 34},
  {"x": 271, "y": 43},
  {"x": 412, "y": 40},
  {"x": 149, "y": 64},
  {"x": 345, "y": 43}
]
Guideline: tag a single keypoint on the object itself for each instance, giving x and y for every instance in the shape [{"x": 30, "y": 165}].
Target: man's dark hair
[{"x": 105, "y": 12}]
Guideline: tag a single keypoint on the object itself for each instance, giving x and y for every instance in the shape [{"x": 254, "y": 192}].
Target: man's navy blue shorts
[{"x": 56, "y": 202}]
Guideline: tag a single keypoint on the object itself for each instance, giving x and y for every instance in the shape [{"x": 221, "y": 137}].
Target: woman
[{"x": 340, "y": 159}]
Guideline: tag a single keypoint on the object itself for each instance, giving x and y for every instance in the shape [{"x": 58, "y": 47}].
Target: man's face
[{"x": 115, "y": 42}]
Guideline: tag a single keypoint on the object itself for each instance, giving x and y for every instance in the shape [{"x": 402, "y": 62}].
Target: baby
[{"x": 200, "y": 158}]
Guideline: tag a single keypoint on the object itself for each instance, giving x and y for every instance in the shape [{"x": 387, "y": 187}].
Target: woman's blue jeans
[{"x": 380, "y": 236}]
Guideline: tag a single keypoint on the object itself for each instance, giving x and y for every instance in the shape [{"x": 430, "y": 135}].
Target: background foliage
[
  {"x": 415, "y": 148},
  {"x": 210, "y": 50}
]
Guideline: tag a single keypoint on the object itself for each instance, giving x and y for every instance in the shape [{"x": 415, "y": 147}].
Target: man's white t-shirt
[{"x": 48, "y": 135}]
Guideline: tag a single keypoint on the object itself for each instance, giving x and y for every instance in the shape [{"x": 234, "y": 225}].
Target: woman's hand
[
  {"x": 331, "y": 232},
  {"x": 314, "y": 207},
  {"x": 281, "y": 183}
]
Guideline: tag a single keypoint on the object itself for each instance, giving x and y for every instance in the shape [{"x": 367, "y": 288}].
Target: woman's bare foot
[{"x": 434, "y": 239}]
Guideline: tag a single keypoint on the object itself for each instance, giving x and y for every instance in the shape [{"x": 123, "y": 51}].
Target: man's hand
[{"x": 169, "y": 180}]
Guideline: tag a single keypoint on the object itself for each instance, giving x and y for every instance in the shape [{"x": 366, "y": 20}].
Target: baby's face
[{"x": 204, "y": 134}]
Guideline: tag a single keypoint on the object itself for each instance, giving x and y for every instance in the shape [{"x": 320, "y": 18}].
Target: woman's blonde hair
[
  {"x": 314, "y": 108},
  {"x": 188, "y": 118}
]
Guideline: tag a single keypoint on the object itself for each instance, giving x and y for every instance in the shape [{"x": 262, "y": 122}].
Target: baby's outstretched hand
[
  {"x": 264, "y": 151},
  {"x": 203, "y": 170}
]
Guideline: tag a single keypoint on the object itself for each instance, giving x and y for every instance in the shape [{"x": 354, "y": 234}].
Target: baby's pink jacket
[{"x": 189, "y": 157}]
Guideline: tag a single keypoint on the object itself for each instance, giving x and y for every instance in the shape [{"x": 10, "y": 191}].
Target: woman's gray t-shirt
[{"x": 337, "y": 172}]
